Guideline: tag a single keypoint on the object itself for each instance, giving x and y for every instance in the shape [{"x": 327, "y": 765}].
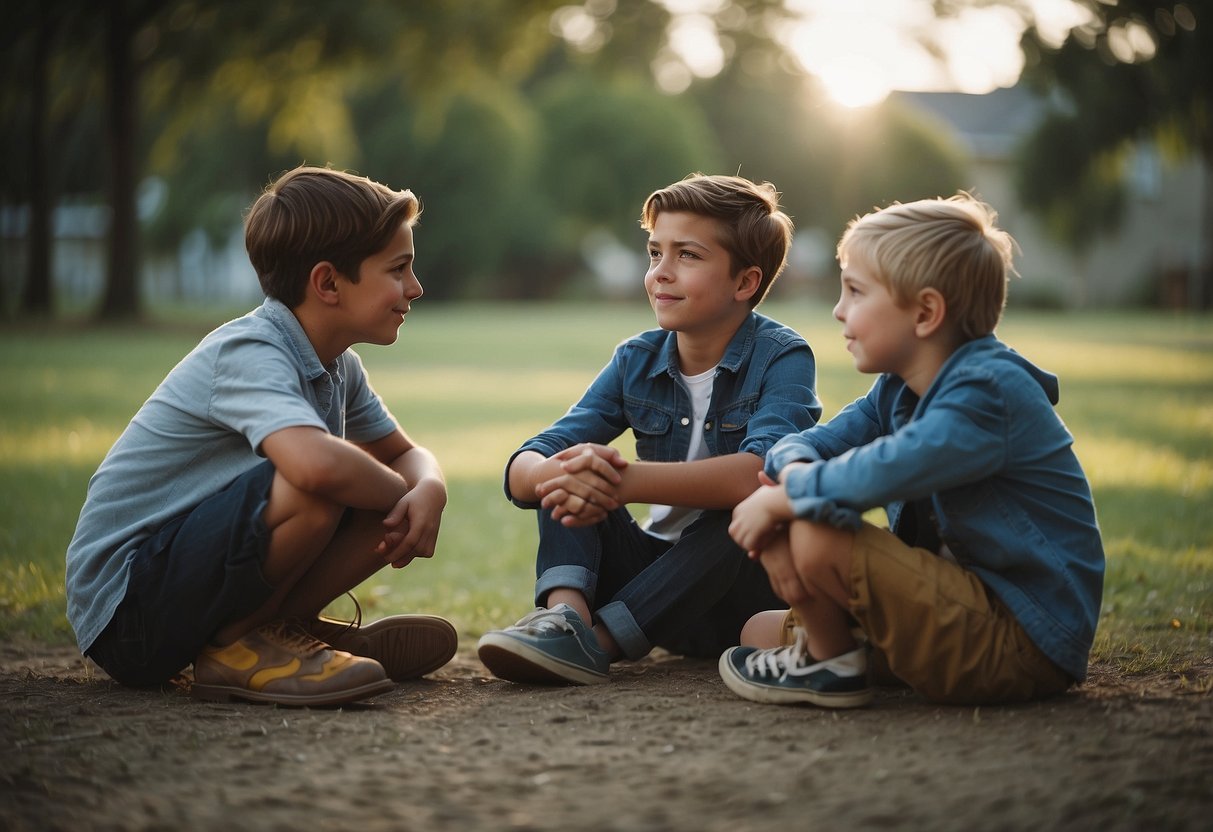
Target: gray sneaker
[{"x": 546, "y": 647}]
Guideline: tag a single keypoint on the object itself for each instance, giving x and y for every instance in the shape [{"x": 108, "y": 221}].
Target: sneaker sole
[
  {"x": 509, "y": 659},
  {"x": 408, "y": 646},
  {"x": 782, "y": 696},
  {"x": 224, "y": 693}
]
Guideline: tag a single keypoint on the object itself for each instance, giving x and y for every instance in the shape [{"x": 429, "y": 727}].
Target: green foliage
[
  {"x": 893, "y": 154},
  {"x": 473, "y": 381},
  {"x": 830, "y": 165},
  {"x": 608, "y": 143},
  {"x": 1079, "y": 198},
  {"x": 518, "y": 143},
  {"x": 473, "y": 163},
  {"x": 1139, "y": 71}
]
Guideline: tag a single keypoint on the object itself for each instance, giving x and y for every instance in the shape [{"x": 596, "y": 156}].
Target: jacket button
[
  {"x": 684, "y": 421},
  {"x": 707, "y": 425}
]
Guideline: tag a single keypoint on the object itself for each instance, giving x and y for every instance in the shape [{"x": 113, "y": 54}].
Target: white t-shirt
[{"x": 668, "y": 522}]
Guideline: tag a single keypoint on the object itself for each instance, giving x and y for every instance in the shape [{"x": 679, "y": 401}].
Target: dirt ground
[{"x": 662, "y": 746}]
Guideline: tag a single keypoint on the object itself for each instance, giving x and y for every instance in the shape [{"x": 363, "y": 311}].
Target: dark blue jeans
[
  {"x": 196, "y": 573},
  {"x": 690, "y": 597}
]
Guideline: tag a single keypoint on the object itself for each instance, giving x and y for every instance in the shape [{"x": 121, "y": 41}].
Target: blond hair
[
  {"x": 952, "y": 245},
  {"x": 753, "y": 229},
  {"x": 311, "y": 215}
]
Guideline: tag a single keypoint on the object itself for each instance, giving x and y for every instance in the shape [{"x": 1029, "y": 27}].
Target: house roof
[{"x": 989, "y": 125}]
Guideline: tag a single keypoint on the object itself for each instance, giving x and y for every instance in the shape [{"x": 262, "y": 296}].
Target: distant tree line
[{"x": 519, "y": 139}]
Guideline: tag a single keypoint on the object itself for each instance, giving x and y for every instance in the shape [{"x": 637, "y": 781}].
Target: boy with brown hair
[
  {"x": 988, "y": 587},
  {"x": 264, "y": 477},
  {"x": 705, "y": 395}
]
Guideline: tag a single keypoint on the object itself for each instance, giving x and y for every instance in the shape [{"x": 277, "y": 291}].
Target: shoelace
[
  {"x": 540, "y": 621},
  {"x": 357, "y": 622},
  {"x": 293, "y": 636},
  {"x": 781, "y": 662}
]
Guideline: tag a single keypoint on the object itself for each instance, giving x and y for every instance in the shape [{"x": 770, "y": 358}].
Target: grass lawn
[{"x": 473, "y": 381}]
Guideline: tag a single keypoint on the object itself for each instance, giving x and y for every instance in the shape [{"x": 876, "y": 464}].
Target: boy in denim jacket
[
  {"x": 706, "y": 395},
  {"x": 264, "y": 477},
  {"x": 988, "y": 587}
]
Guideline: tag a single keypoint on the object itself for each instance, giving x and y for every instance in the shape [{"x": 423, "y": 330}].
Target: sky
[{"x": 860, "y": 50}]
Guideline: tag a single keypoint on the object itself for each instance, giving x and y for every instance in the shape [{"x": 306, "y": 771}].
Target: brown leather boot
[{"x": 280, "y": 663}]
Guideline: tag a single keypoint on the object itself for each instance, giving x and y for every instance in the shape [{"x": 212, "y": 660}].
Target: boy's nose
[{"x": 659, "y": 274}]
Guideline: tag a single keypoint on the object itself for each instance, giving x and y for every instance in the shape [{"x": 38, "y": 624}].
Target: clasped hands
[{"x": 586, "y": 487}]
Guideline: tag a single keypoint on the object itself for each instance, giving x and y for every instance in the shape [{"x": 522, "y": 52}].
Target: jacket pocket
[
  {"x": 651, "y": 426},
  {"x": 733, "y": 425}
]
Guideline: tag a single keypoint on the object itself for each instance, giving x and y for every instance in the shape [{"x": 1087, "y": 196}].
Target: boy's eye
[
  {"x": 654, "y": 254},
  {"x": 690, "y": 255}
]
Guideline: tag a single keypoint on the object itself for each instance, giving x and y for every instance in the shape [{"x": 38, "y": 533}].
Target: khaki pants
[{"x": 934, "y": 626}]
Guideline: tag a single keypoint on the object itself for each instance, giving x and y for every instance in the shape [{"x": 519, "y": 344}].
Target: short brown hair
[
  {"x": 951, "y": 245},
  {"x": 313, "y": 214},
  {"x": 753, "y": 229}
]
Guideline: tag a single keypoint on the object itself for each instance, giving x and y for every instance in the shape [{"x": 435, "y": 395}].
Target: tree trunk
[
  {"x": 1200, "y": 285},
  {"x": 37, "y": 297},
  {"x": 122, "y": 277}
]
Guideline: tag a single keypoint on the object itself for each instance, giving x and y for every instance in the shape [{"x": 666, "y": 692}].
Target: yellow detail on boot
[
  {"x": 235, "y": 655},
  {"x": 272, "y": 674},
  {"x": 331, "y": 668}
]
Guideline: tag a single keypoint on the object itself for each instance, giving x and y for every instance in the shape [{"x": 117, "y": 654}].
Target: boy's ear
[
  {"x": 749, "y": 281},
  {"x": 930, "y": 312},
  {"x": 322, "y": 282}
]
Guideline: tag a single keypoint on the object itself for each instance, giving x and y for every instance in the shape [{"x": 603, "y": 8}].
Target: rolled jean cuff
[
  {"x": 618, "y": 620},
  {"x": 565, "y": 577}
]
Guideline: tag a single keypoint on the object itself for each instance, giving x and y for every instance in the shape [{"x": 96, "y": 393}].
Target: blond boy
[{"x": 987, "y": 588}]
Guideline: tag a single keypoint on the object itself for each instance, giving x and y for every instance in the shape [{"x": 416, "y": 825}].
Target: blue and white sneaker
[
  {"x": 546, "y": 647},
  {"x": 789, "y": 676}
]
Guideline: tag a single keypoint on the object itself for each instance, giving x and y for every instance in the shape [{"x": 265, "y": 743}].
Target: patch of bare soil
[{"x": 662, "y": 746}]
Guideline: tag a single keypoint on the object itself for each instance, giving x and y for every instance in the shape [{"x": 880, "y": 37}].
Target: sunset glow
[{"x": 861, "y": 50}]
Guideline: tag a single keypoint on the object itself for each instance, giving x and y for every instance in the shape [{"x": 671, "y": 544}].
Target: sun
[
  {"x": 861, "y": 50},
  {"x": 853, "y": 82},
  {"x": 852, "y": 62}
]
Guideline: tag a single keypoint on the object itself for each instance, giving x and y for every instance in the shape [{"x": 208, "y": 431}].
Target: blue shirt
[
  {"x": 200, "y": 429},
  {"x": 982, "y": 464},
  {"x": 763, "y": 389}
]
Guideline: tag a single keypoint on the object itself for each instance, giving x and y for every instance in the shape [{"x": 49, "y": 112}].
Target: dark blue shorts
[{"x": 200, "y": 571}]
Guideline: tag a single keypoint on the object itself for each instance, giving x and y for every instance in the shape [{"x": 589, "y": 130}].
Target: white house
[{"x": 1152, "y": 256}]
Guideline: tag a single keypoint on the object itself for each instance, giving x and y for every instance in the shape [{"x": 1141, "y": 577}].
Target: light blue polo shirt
[{"x": 200, "y": 429}]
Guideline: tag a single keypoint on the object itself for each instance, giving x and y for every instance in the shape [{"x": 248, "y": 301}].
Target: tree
[
  {"x": 166, "y": 63},
  {"x": 1138, "y": 70},
  {"x": 831, "y": 165},
  {"x": 123, "y": 19},
  {"x": 37, "y": 296}
]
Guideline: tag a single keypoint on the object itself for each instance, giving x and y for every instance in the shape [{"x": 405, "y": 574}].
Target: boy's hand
[
  {"x": 780, "y": 567},
  {"x": 787, "y": 469},
  {"x": 412, "y": 524},
  {"x": 586, "y": 489},
  {"x": 759, "y": 517}
]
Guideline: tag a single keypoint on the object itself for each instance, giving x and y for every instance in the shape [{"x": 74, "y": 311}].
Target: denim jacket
[
  {"x": 982, "y": 464},
  {"x": 764, "y": 389}
]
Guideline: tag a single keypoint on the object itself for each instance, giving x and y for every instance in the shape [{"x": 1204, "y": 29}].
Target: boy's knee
[
  {"x": 821, "y": 551},
  {"x": 301, "y": 508}
]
